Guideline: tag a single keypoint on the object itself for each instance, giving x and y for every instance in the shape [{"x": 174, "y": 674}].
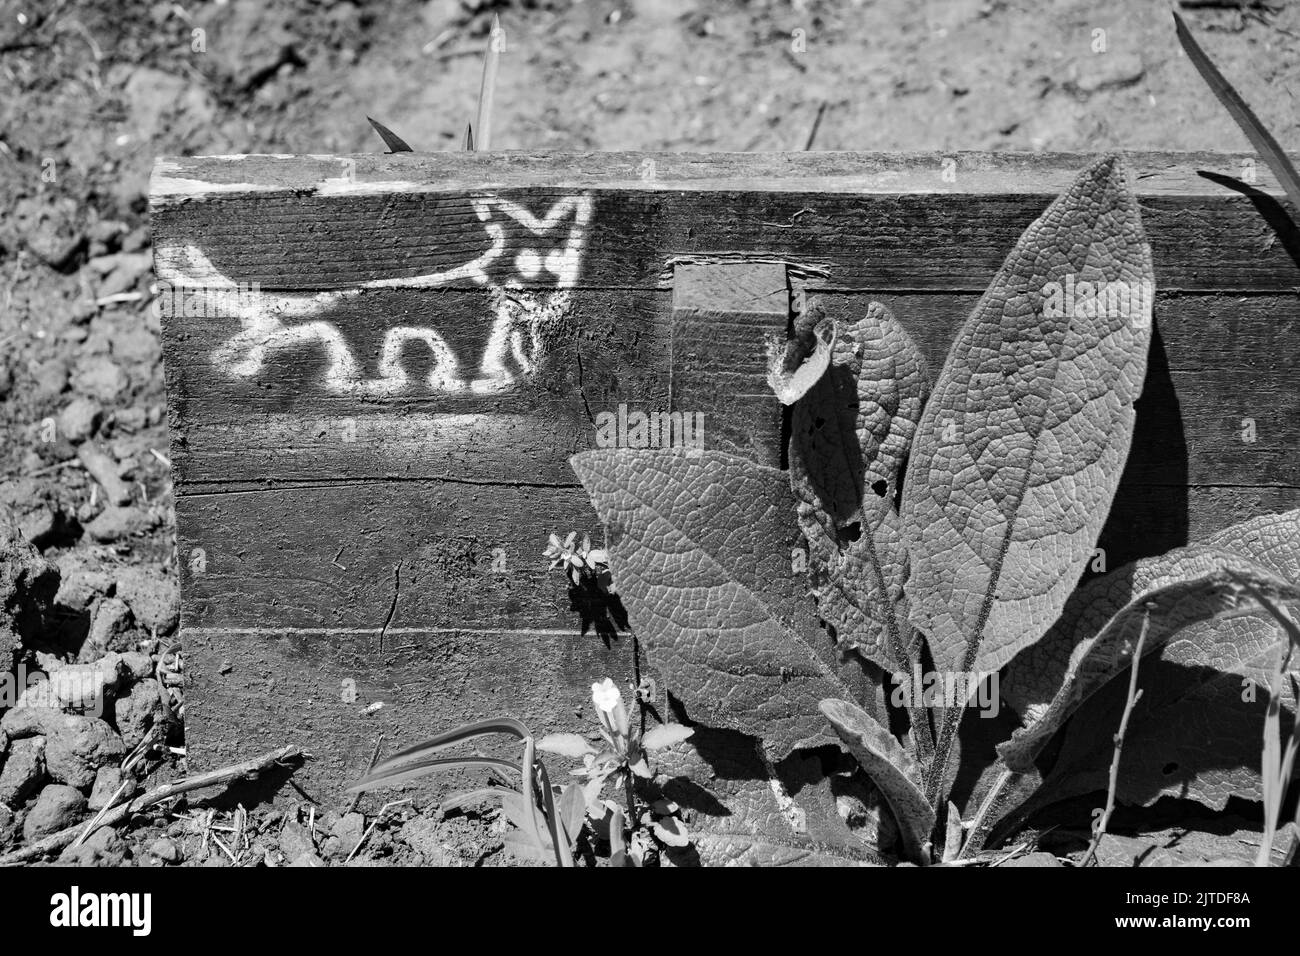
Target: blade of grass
[
  {"x": 394, "y": 142},
  {"x": 390, "y": 773},
  {"x": 468, "y": 144},
  {"x": 1259, "y": 137},
  {"x": 530, "y": 793},
  {"x": 472, "y": 796},
  {"x": 487, "y": 89},
  {"x": 467, "y": 732}
]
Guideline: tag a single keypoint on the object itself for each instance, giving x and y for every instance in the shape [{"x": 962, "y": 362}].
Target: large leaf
[
  {"x": 1198, "y": 730},
  {"x": 743, "y": 811},
  {"x": 890, "y": 768},
  {"x": 1178, "y": 590},
  {"x": 1021, "y": 446},
  {"x": 700, "y": 547},
  {"x": 850, "y": 435}
]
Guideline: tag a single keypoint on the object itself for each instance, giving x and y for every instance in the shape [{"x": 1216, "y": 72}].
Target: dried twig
[
  {"x": 248, "y": 768},
  {"x": 373, "y": 823},
  {"x": 1134, "y": 695}
]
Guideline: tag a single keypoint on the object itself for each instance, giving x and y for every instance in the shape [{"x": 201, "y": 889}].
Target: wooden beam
[{"x": 723, "y": 314}]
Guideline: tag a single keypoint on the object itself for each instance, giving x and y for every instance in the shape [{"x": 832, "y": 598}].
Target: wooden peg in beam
[{"x": 722, "y": 314}]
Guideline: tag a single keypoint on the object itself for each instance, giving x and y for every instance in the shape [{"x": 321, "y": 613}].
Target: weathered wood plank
[
  {"x": 378, "y": 367},
  {"x": 354, "y": 555},
  {"x": 1218, "y": 362},
  {"x": 873, "y": 221},
  {"x": 257, "y": 690}
]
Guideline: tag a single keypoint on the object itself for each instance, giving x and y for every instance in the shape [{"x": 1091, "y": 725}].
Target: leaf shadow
[
  {"x": 599, "y": 611},
  {"x": 1149, "y": 514},
  {"x": 1269, "y": 209},
  {"x": 1212, "y": 731}
]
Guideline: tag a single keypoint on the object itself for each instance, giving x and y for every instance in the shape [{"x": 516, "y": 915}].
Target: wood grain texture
[{"x": 354, "y": 527}]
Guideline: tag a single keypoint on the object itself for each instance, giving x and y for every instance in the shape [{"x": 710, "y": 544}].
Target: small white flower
[{"x": 606, "y": 696}]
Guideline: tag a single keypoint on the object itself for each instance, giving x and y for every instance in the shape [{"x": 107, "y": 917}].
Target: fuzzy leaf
[
  {"x": 573, "y": 746},
  {"x": 1020, "y": 448},
  {"x": 1032, "y": 680},
  {"x": 572, "y": 810},
  {"x": 890, "y": 768},
  {"x": 665, "y": 735},
  {"x": 1198, "y": 730},
  {"x": 850, "y": 435},
  {"x": 700, "y": 544},
  {"x": 1186, "y": 587}
]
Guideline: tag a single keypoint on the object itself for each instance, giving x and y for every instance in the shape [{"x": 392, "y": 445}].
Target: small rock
[
  {"x": 136, "y": 239},
  {"x": 348, "y": 831},
  {"x": 104, "y": 847},
  {"x": 296, "y": 842},
  {"x": 101, "y": 378},
  {"x": 107, "y": 231},
  {"x": 27, "y": 585},
  {"x": 130, "y": 266},
  {"x": 153, "y": 598},
  {"x": 425, "y": 836},
  {"x": 116, "y": 522},
  {"x": 138, "y": 712},
  {"x": 57, "y": 808},
  {"x": 40, "y": 526},
  {"x": 80, "y": 585},
  {"x": 79, "y": 420},
  {"x": 307, "y": 859},
  {"x": 108, "y": 780},
  {"x": 110, "y": 622},
  {"x": 137, "y": 666},
  {"x": 50, "y": 379},
  {"x": 19, "y": 723},
  {"x": 82, "y": 687},
  {"x": 77, "y": 747},
  {"x": 165, "y": 850},
  {"x": 24, "y": 771}
]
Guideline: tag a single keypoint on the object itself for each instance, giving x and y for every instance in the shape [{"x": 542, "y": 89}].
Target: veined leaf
[
  {"x": 700, "y": 545},
  {"x": 1021, "y": 446},
  {"x": 574, "y": 746},
  {"x": 1032, "y": 680},
  {"x": 1197, "y": 732},
  {"x": 1179, "y": 589},
  {"x": 850, "y": 435},
  {"x": 890, "y": 768}
]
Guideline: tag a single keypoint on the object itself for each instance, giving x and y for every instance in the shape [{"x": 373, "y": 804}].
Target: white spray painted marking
[{"x": 271, "y": 322}]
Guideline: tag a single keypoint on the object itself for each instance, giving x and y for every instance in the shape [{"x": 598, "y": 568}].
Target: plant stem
[
  {"x": 1134, "y": 695},
  {"x": 631, "y": 797}
]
